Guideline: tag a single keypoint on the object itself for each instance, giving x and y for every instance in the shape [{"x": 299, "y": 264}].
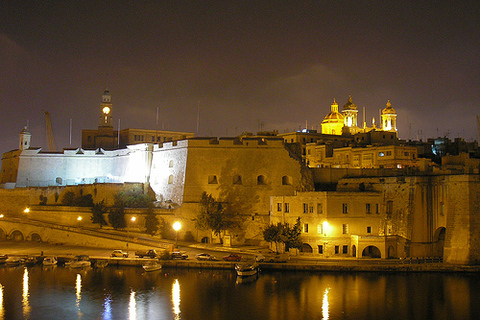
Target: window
[
  {"x": 389, "y": 153},
  {"x": 345, "y": 228},
  {"x": 237, "y": 179},
  {"x": 305, "y": 208},
  {"x": 377, "y": 211},
  {"x": 170, "y": 179},
  {"x": 369, "y": 229},
  {"x": 319, "y": 208},
  {"x": 367, "y": 208},
  {"x": 212, "y": 179},
  {"x": 345, "y": 208},
  {"x": 305, "y": 227},
  {"x": 286, "y": 180},
  {"x": 170, "y": 164},
  {"x": 345, "y": 249},
  {"x": 279, "y": 207},
  {"x": 320, "y": 249},
  {"x": 337, "y": 249},
  {"x": 261, "y": 180},
  {"x": 389, "y": 207},
  {"x": 287, "y": 207},
  {"x": 320, "y": 228},
  {"x": 310, "y": 208}
]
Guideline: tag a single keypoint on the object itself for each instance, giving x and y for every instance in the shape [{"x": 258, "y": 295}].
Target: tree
[
  {"x": 215, "y": 216},
  {"x": 98, "y": 211},
  {"x": 68, "y": 198},
  {"x": 132, "y": 197},
  {"x": 283, "y": 233},
  {"x": 152, "y": 225},
  {"x": 116, "y": 217}
]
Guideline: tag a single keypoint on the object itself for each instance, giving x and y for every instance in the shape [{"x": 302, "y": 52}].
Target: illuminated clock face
[{"x": 106, "y": 110}]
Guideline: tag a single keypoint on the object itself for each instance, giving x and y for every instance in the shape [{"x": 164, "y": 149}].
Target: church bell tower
[{"x": 106, "y": 107}]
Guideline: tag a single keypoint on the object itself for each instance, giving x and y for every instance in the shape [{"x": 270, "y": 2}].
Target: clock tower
[{"x": 106, "y": 108}]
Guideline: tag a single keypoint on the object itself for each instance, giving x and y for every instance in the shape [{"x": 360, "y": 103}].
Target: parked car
[
  {"x": 205, "y": 256},
  {"x": 259, "y": 257},
  {"x": 151, "y": 253},
  {"x": 119, "y": 253},
  {"x": 279, "y": 258},
  {"x": 177, "y": 255},
  {"x": 232, "y": 257}
]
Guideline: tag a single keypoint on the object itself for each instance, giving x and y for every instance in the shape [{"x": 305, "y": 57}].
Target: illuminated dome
[
  {"x": 350, "y": 105},
  {"x": 334, "y": 114},
  {"x": 389, "y": 109},
  {"x": 333, "y": 122}
]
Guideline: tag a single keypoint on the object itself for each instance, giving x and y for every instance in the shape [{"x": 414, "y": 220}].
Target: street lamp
[
  {"x": 133, "y": 219},
  {"x": 176, "y": 226}
]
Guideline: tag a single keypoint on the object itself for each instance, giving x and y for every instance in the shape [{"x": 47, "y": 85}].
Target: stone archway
[
  {"x": 205, "y": 240},
  {"x": 35, "y": 237},
  {"x": 17, "y": 236},
  {"x": 354, "y": 251},
  {"x": 3, "y": 234},
  {"x": 371, "y": 252},
  {"x": 306, "y": 248}
]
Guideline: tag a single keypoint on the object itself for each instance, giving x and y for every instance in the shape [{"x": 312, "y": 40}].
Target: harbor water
[{"x": 131, "y": 293}]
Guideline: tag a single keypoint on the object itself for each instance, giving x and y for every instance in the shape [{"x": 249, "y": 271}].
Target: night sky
[{"x": 237, "y": 65}]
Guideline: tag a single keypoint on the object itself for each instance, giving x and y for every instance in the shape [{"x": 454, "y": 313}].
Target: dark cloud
[{"x": 227, "y": 67}]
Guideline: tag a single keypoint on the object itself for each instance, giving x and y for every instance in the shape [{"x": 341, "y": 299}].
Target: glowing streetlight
[
  {"x": 27, "y": 210},
  {"x": 79, "y": 218},
  {"x": 176, "y": 226}
]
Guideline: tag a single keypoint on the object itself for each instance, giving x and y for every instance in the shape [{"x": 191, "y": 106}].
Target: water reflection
[
  {"x": 2, "y": 311},
  {"x": 25, "y": 295},
  {"x": 132, "y": 308},
  {"x": 176, "y": 299},
  {"x": 78, "y": 287},
  {"x": 325, "y": 305},
  {"x": 107, "y": 308}
]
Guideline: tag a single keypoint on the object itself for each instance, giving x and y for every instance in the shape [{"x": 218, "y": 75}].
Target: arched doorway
[
  {"x": 371, "y": 252},
  {"x": 17, "y": 236},
  {"x": 354, "y": 251},
  {"x": 391, "y": 252},
  {"x": 35, "y": 237},
  {"x": 439, "y": 242},
  {"x": 306, "y": 248},
  {"x": 205, "y": 240},
  {"x": 3, "y": 235}
]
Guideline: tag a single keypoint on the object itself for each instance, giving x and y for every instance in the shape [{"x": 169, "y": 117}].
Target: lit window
[
  {"x": 345, "y": 229},
  {"x": 319, "y": 208},
  {"x": 320, "y": 228},
  {"x": 305, "y": 227}
]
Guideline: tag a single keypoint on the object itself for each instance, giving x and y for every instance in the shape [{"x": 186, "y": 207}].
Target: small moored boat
[
  {"x": 81, "y": 261},
  {"x": 246, "y": 269},
  {"x": 14, "y": 261},
  {"x": 152, "y": 265},
  {"x": 50, "y": 261},
  {"x": 3, "y": 258}
]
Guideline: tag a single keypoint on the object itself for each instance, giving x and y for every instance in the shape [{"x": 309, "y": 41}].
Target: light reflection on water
[{"x": 130, "y": 293}]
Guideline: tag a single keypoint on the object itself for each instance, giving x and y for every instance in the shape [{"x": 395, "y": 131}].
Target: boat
[
  {"x": 14, "y": 261},
  {"x": 246, "y": 269},
  {"x": 50, "y": 261},
  {"x": 3, "y": 258},
  {"x": 31, "y": 261},
  {"x": 101, "y": 263},
  {"x": 81, "y": 261},
  {"x": 152, "y": 265}
]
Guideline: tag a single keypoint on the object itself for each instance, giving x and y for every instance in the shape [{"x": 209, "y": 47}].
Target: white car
[
  {"x": 119, "y": 253},
  {"x": 205, "y": 256}
]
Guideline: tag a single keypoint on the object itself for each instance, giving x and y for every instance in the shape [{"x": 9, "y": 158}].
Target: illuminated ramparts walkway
[{"x": 18, "y": 229}]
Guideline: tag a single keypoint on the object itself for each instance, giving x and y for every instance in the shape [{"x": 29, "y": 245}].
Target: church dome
[
  {"x": 350, "y": 105},
  {"x": 389, "y": 109},
  {"x": 334, "y": 116}
]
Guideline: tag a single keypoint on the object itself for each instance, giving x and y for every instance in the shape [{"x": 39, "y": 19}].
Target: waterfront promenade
[{"x": 295, "y": 263}]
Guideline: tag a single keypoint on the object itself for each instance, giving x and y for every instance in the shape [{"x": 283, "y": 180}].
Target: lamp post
[
  {"x": 132, "y": 219},
  {"x": 176, "y": 226}
]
